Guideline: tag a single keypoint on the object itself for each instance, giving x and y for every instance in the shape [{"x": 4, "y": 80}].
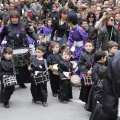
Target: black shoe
[
  {"x": 68, "y": 100},
  {"x": 6, "y": 105},
  {"x": 23, "y": 86},
  {"x": 45, "y": 104},
  {"x": 33, "y": 101},
  {"x": 65, "y": 102},
  {"x": 54, "y": 94},
  {"x": 85, "y": 106}
]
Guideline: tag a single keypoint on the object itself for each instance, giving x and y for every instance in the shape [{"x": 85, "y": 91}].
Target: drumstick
[{"x": 46, "y": 70}]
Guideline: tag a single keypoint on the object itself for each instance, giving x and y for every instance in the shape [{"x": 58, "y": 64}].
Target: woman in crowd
[
  {"x": 60, "y": 26},
  {"x": 91, "y": 19},
  {"x": 15, "y": 33},
  {"x": 108, "y": 33}
]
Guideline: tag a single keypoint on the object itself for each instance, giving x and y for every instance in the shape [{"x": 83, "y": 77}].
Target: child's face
[
  {"x": 66, "y": 57},
  {"x": 41, "y": 38},
  {"x": 30, "y": 23},
  {"x": 38, "y": 11},
  {"x": 54, "y": 8},
  {"x": 32, "y": 28},
  {"x": 89, "y": 47},
  {"x": 39, "y": 53},
  {"x": 37, "y": 18},
  {"x": 103, "y": 59},
  {"x": 113, "y": 50},
  {"x": 67, "y": 48},
  {"x": 69, "y": 24},
  {"x": 8, "y": 56},
  {"x": 25, "y": 14},
  {"x": 85, "y": 25},
  {"x": 40, "y": 25},
  {"x": 49, "y": 23},
  {"x": 41, "y": 12},
  {"x": 56, "y": 49}
]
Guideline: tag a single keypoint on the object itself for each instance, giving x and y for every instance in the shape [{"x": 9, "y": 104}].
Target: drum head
[
  {"x": 19, "y": 51},
  {"x": 55, "y": 66},
  {"x": 75, "y": 79},
  {"x": 55, "y": 69}
]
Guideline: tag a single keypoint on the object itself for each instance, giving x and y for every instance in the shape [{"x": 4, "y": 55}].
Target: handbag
[
  {"x": 10, "y": 80},
  {"x": 40, "y": 76}
]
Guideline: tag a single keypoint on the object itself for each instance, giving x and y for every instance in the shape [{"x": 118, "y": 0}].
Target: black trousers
[
  {"x": 39, "y": 92},
  {"x": 65, "y": 91},
  {"x": 23, "y": 75},
  {"x": 84, "y": 93},
  {"x": 54, "y": 82},
  {"x": 6, "y": 93}
]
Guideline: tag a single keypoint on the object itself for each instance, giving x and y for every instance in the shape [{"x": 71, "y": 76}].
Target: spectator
[{"x": 108, "y": 33}]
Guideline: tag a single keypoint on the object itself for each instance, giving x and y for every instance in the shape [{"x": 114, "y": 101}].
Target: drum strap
[
  {"x": 45, "y": 62},
  {"x": 13, "y": 67}
]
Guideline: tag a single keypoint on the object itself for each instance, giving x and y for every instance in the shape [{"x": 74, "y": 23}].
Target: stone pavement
[{"x": 22, "y": 108}]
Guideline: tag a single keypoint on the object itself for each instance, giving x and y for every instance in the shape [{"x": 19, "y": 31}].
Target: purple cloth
[
  {"x": 77, "y": 34},
  {"x": 1, "y": 29},
  {"x": 47, "y": 30},
  {"x": 30, "y": 40},
  {"x": 39, "y": 31},
  {"x": 78, "y": 71}
]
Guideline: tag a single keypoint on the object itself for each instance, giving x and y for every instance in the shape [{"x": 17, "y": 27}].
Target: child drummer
[
  {"x": 53, "y": 59},
  {"x": 65, "y": 70},
  {"x": 39, "y": 90}
]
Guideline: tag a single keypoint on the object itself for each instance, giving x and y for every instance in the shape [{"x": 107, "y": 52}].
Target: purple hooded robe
[{"x": 77, "y": 38}]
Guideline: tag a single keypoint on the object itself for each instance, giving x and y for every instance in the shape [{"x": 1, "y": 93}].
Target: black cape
[
  {"x": 65, "y": 90},
  {"x": 6, "y": 67},
  {"x": 111, "y": 90},
  {"x": 39, "y": 92}
]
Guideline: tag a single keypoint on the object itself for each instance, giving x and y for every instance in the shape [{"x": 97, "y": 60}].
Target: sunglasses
[
  {"x": 111, "y": 19},
  {"x": 64, "y": 13},
  {"x": 91, "y": 17}
]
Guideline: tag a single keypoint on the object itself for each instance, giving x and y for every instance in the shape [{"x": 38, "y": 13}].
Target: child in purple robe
[
  {"x": 77, "y": 39},
  {"x": 40, "y": 28},
  {"x": 48, "y": 28}
]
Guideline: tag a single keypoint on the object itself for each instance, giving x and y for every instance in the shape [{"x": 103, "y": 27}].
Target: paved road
[{"x": 23, "y": 109}]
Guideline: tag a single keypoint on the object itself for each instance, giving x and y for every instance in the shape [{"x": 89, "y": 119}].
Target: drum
[
  {"x": 41, "y": 77},
  {"x": 9, "y": 80},
  {"x": 21, "y": 56},
  {"x": 87, "y": 79},
  {"x": 75, "y": 79},
  {"x": 55, "y": 69}
]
